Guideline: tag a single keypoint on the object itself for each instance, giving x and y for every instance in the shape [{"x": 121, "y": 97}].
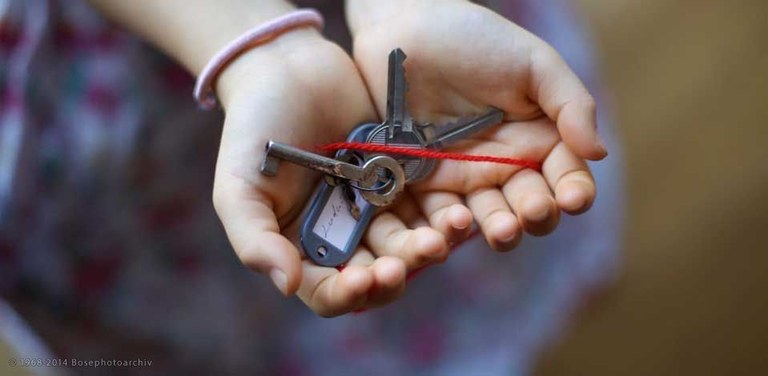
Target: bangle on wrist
[{"x": 204, "y": 87}]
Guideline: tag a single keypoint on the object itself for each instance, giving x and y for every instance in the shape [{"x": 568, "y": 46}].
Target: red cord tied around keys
[{"x": 427, "y": 153}]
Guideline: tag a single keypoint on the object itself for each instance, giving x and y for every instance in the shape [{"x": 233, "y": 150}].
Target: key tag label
[{"x": 332, "y": 231}]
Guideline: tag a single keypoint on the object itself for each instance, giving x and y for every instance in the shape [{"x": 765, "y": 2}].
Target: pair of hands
[{"x": 304, "y": 90}]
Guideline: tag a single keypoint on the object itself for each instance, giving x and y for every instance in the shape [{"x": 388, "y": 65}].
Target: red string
[{"x": 427, "y": 153}]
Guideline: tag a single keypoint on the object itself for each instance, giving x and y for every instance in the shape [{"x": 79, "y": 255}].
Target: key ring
[{"x": 376, "y": 197}]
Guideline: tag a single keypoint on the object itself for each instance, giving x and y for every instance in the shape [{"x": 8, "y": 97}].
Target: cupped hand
[
  {"x": 304, "y": 91},
  {"x": 461, "y": 58}
]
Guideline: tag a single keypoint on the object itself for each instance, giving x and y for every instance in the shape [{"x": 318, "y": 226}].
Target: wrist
[
  {"x": 191, "y": 31},
  {"x": 256, "y": 69},
  {"x": 220, "y": 30},
  {"x": 360, "y": 13},
  {"x": 364, "y": 13}
]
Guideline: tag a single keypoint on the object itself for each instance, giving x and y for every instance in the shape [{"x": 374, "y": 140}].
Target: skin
[{"x": 304, "y": 90}]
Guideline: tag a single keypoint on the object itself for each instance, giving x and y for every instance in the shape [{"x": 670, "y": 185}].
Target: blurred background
[
  {"x": 690, "y": 96},
  {"x": 690, "y": 85}
]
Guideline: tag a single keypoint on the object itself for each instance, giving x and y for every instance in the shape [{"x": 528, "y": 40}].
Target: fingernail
[
  {"x": 459, "y": 226},
  {"x": 279, "y": 279},
  {"x": 507, "y": 243},
  {"x": 462, "y": 226},
  {"x": 509, "y": 238},
  {"x": 601, "y": 145}
]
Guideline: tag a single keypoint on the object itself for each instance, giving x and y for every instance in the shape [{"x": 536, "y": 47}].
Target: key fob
[{"x": 339, "y": 215}]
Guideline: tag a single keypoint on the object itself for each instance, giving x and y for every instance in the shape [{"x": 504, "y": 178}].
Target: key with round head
[{"x": 367, "y": 177}]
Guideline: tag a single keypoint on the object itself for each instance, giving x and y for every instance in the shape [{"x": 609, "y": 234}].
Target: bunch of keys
[
  {"x": 357, "y": 184},
  {"x": 400, "y": 130}
]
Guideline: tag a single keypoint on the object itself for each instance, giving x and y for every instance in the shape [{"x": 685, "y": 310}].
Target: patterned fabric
[{"x": 110, "y": 247}]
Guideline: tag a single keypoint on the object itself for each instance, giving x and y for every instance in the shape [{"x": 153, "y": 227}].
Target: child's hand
[
  {"x": 461, "y": 58},
  {"x": 302, "y": 90}
]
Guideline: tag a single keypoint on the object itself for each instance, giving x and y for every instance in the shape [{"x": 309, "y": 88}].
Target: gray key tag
[
  {"x": 335, "y": 225},
  {"x": 338, "y": 216}
]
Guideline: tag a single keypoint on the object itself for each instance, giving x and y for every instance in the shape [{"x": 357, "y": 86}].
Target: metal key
[
  {"x": 366, "y": 177},
  {"x": 398, "y": 129},
  {"x": 438, "y": 138},
  {"x": 399, "y": 121},
  {"x": 445, "y": 135}
]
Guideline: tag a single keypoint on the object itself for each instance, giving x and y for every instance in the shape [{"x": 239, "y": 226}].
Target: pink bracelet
[{"x": 204, "y": 92}]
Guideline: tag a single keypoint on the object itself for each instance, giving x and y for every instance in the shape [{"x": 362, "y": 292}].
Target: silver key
[
  {"x": 398, "y": 129},
  {"x": 438, "y": 138},
  {"x": 445, "y": 135},
  {"x": 398, "y": 119},
  {"x": 366, "y": 177}
]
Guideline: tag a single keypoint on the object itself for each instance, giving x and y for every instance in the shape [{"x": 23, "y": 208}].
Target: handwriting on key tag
[{"x": 338, "y": 216}]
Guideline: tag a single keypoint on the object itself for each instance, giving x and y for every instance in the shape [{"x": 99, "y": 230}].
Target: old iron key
[{"x": 366, "y": 177}]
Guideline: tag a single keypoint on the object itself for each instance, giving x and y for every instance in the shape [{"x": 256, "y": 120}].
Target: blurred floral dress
[{"x": 110, "y": 247}]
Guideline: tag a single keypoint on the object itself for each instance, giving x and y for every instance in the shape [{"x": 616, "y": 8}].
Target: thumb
[
  {"x": 565, "y": 100},
  {"x": 252, "y": 228}
]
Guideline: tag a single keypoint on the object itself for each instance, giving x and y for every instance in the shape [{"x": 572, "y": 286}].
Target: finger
[
  {"x": 389, "y": 274},
  {"x": 364, "y": 282},
  {"x": 531, "y": 200},
  {"x": 408, "y": 211},
  {"x": 388, "y": 236},
  {"x": 569, "y": 177},
  {"x": 500, "y": 227},
  {"x": 530, "y": 140},
  {"x": 447, "y": 214},
  {"x": 330, "y": 292},
  {"x": 253, "y": 231},
  {"x": 563, "y": 97}
]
